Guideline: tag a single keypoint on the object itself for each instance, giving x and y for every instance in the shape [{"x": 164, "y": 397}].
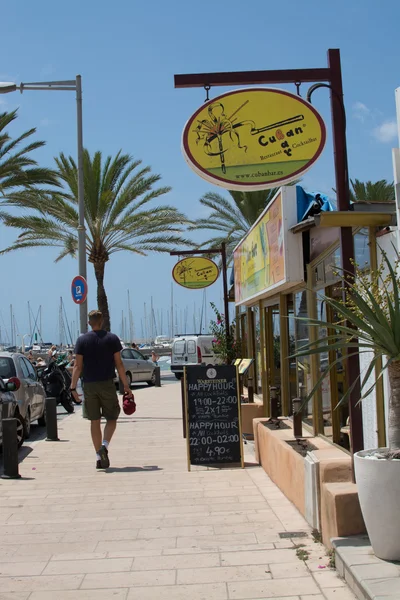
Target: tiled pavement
[{"x": 147, "y": 529}]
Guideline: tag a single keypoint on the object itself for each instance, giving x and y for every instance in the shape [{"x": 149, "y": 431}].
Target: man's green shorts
[{"x": 100, "y": 400}]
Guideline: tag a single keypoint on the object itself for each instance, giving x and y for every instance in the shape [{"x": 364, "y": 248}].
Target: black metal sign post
[{"x": 222, "y": 252}]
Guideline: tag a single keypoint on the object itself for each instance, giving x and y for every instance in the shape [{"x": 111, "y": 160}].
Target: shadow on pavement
[{"x": 132, "y": 469}]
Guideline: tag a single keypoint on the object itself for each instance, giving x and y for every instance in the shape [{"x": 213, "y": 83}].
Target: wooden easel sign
[{"x": 214, "y": 432}]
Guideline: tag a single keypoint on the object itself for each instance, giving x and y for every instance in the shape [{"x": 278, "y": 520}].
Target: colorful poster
[
  {"x": 253, "y": 139},
  {"x": 195, "y": 272},
  {"x": 259, "y": 260}
]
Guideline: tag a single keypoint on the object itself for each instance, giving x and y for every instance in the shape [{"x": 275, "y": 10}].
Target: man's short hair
[{"x": 95, "y": 316}]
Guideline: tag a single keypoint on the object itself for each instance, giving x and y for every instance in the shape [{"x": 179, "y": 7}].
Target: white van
[{"x": 192, "y": 350}]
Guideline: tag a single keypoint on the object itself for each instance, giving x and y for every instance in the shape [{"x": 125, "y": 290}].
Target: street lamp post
[{"x": 74, "y": 85}]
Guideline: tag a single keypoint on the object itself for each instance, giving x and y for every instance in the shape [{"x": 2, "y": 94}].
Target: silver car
[
  {"x": 30, "y": 394},
  {"x": 138, "y": 368}
]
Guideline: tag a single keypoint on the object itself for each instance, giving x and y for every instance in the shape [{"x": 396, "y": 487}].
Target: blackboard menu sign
[{"x": 213, "y": 415}]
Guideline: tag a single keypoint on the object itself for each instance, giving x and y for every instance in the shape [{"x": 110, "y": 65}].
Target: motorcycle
[
  {"x": 55, "y": 385},
  {"x": 62, "y": 363}
]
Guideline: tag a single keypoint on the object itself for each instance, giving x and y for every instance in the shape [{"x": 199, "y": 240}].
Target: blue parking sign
[{"x": 79, "y": 290}]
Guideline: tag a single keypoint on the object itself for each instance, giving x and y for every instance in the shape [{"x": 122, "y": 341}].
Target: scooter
[
  {"x": 62, "y": 363},
  {"x": 55, "y": 385}
]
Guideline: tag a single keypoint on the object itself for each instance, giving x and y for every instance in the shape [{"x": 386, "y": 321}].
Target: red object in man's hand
[{"x": 128, "y": 403}]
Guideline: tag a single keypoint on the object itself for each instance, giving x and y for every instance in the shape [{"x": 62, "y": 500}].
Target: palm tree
[
  {"x": 18, "y": 170},
  {"x": 372, "y": 191},
  {"x": 117, "y": 217},
  {"x": 233, "y": 216}
]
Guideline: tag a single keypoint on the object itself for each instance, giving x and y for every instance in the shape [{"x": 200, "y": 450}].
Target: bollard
[
  {"x": 274, "y": 402},
  {"x": 10, "y": 450},
  {"x": 297, "y": 418},
  {"x": 250, "y": 390},
  {"x": 157, "y": 372},
  {"x": 51, "y": 420}
]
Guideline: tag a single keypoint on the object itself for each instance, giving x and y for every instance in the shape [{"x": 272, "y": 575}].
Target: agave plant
[{"x": 368, "y": 321}]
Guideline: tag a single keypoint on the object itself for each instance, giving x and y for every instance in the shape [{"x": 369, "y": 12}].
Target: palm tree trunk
[
  {"x": 394, "y": 407},
  {"x": 102, "y": 301}
]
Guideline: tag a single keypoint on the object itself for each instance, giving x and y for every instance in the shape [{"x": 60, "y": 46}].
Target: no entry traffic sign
[{"x": 79, "y": 290}]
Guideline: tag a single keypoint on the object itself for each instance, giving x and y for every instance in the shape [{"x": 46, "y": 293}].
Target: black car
[{"x": 9, "y": 410}]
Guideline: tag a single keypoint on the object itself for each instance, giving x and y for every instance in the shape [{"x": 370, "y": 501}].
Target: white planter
[{"x": 378, "y": 484}]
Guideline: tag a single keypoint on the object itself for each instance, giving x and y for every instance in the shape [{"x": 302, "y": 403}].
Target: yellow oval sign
[
  {"x": 195, "y": 272},
  {"x": 253, "y": 139}
]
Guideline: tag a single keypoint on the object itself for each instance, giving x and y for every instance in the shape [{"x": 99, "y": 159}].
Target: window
[
  {"x": 25, "y": 372},
  {"x": 137, "y": 355},
  {"x": 191, "y": 347},
  {"x": 126, "y": 353},
  {"x": 7, "y": 368},
  {"x": 361, "y": 248},
  {"x": 31, "y": 370},
  {"x": 179, "y": 347}
]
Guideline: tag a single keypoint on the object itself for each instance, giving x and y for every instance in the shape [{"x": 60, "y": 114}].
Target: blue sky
[{"x": 127, "y": 53}]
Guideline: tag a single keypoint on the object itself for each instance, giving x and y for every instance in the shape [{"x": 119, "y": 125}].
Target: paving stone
[
  {"x": 273, "y": 588},
  {"x": 221, "y": 574},
  {"x": 21, "y": 568},
  {"x": 111, "y": 594},
  {"x": 127, "y": 580},
  {"x": 14, "y": 595},
  {"x": 177, "y": 561},
  {"x": 257, "y": 557},
  {"x": 107, "y": 565},
  {"x": 210, "y": 591},
  {"x": 328, "y": 579},
  {"x": 174, "y": 532},
  {"x": 216, "y": 541},
  {"x": 341, "y": 593},
  {"x": 288, "y": 569},
  {"x": 40, "y": 583}
]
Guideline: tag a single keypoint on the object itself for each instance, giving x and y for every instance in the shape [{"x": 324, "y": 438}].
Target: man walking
[{"x": 98, "y": 355}]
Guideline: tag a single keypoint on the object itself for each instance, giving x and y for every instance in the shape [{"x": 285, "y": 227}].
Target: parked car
[
  {"x": 9, "y": 409},
  {"x": 30, "y": 394},
  {"x": 192, "y": 350},
  {"x": 138, "y": 367}
]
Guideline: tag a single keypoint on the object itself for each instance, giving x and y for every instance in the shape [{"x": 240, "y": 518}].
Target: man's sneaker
[
  {"x": 98, "y": 464},
  {"x": 104, "y": 460}
]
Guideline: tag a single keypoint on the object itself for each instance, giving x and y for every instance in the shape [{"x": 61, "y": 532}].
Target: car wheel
[
  {"x": 129, "y": 378},
  {"x": 27, "y": 424},
  {"x": 153, "y": 378},
  {"x": 20, "y": 429}
]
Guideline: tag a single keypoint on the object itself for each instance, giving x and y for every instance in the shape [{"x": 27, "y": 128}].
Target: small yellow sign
[
  {"x": 253, "y": 139},
  {"x": 195, "y": 272}
]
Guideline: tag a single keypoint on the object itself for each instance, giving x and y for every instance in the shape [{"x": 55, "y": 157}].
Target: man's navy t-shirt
[{"x": 98, "y": 349}]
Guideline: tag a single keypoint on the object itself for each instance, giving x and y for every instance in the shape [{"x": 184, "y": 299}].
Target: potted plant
[
  {"x": 226, "y": 347},
  {"x": 368, "y": 320}
]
